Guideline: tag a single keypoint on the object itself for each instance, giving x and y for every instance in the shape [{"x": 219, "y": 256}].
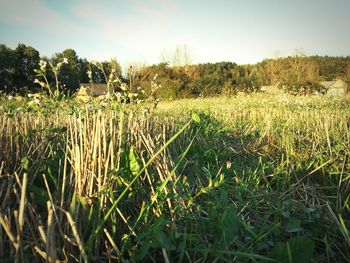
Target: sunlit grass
[{"x": 260, "y": 178}]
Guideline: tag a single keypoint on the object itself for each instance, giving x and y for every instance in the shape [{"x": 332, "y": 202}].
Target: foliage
[
  {"x": 298, "y": 74},
  {"x": 303, "y": 88},
  {"x": 16, "y": 68}
]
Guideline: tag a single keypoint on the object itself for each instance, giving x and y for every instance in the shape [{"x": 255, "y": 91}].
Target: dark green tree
[
  {"x": 69, "y": 74},
  {"x": 26, "y": 60},
  {"x": 7, "y": 61}
]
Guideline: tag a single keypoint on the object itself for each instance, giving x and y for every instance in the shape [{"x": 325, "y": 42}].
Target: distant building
[
  {"x": 336, "y": 87},
  {"x": 88, "y": 90}
]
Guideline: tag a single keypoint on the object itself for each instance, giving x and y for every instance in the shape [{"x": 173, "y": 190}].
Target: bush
[{"x": 303, "y": 88}]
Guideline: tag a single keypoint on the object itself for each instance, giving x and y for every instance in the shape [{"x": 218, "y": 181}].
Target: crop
[{"x": 247, "y": 178}]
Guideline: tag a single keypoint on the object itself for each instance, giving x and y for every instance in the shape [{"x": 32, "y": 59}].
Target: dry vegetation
[{"x": 259, "y": 178}]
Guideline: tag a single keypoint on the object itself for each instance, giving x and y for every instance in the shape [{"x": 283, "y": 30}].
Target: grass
[{"x": 252, "y": 178}]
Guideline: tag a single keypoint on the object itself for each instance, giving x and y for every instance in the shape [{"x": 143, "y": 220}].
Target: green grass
[{"x": 257, "y": 179}]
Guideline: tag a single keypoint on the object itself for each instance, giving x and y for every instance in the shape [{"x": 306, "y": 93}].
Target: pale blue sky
[{"x": 242, "y": 31}]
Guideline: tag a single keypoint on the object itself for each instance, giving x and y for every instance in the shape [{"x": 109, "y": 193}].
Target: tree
[
  {"x": 83, "y": 67},
  {"x": 276, "y": 69},
  {"x": 68, "y": 74},
  {"x": 7, "y": 59},
  {"x": 26, "y": 60},
  {"x": 347, "y": 76},
  {"x": 302, "y": 68},
  {"x": 179, "y": 57}
]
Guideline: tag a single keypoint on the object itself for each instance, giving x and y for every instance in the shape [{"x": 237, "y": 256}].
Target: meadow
[{"x": 248, "y": 178}]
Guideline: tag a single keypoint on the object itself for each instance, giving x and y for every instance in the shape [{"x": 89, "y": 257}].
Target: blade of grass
[{"x": 114, "y": 205}]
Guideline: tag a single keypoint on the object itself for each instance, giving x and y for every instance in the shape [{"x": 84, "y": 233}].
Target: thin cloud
[
  {"x": 143, "y": 29},
  {"x": 35, "y": 14}
]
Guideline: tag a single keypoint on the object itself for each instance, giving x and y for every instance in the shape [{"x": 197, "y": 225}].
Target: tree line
[{"x": 298, "y": 74}]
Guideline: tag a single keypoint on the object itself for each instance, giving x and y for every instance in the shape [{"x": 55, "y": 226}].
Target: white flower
[
  {"x": 36, "y": 81},
  {"x": 42, "y": 63},
  {"x": 30, "y": 95},
  {"x": 37, "y": 101},
  {"x": 10, "y": 97},
  {"x": 89, "y": 72},
  {"x": 113, "y": 70},
  {"x": 65, "y": 60},
  {"x": 124, "y": 87}
]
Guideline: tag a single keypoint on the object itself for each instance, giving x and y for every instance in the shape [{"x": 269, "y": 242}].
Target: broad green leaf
[
  {"x": 143, "y": 250},
  {"x": 229, "y": 225},
  {"x": 133, "y": 163},
  {"x": 25, "y": 163},
  {"x": 298, "y": 250},
  {"x": 40, "y": 195},
  {"x": 73, "y": 206},
  {"x": 195, "y": 117},
  {"x": 164, "y": 241},
  {"x": 294, "y": 225}
]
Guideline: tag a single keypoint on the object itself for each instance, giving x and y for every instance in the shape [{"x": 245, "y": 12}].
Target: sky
[{"x": 135, "y": 31}]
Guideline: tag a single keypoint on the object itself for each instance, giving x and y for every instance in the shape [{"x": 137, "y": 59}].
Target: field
[{"x": 249, "y": 178}]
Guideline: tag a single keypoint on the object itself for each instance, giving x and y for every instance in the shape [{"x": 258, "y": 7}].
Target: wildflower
[
  {"x": 119, "y": 95},
  {"x": 113, "y": 70},
  {"x": 10, "y": 97},
  {"x": 228, "y": 164},
  {"x": 65, "y": 60},
  {"x": 36, "y": 101},
  {"x": 89, "y": 73},
  {"x": 139, "y": 88},
  {"x": 42, "y": 84},
  {"x": 42, "y": 64},
  {"x": 124, "y": 87},
  {"x": 117, "y": 80},
  {"x": 30, "y": 95}
]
